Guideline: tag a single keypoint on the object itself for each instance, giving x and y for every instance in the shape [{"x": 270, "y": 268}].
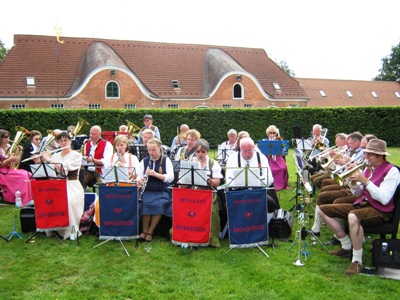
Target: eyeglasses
[
  {"x": 6, "y": 136},
  {"x": 200, "y": 151},
  {"x": 271, "y": 132}
]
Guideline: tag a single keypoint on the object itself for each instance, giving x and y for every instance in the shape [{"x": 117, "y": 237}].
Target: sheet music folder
[
  {"x": 191, "y": 174},
  {"x": 246, "y": 177},
  {"x": 47, "y": 171},
  {"x": 115, "y": 174}
]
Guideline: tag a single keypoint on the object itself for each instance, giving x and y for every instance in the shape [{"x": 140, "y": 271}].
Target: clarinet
[{"x": 146, "y": 179}]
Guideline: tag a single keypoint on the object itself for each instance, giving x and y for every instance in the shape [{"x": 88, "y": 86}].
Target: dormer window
[
  {"x": 349, "y": 94},
  {"x": 322, "y": 93},
  {"x": 176, "y": 84},
  {"x": 30, "y": 81}
]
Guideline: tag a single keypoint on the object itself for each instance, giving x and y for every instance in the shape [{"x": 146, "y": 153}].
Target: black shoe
[
  {"x": 332, "y": 241},
  {"x": 316, "y": 233}
]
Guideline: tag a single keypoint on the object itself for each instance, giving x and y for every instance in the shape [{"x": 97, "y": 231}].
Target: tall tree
[
  {"x": 3, "y": 51},
  {"x": 390, "y": 66}
]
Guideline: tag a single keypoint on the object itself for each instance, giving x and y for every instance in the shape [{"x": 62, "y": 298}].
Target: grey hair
[{"x": 203, "y": 144}]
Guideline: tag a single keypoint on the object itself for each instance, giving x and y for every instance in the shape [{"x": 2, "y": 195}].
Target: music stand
[
  {"x": 223, "y": 154},
  {"x": 191, "y": 174},
  {"x": 47, "y": 171},
  {"x": 15, "y": 232},
  {"x": 273, "y": 147},
  {"x": 115, "y": 175},
  {"x": 139, "y": 150}
]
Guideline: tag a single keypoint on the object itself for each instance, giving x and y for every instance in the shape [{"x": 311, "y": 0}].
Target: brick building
[{"x": 39, "y": 72}]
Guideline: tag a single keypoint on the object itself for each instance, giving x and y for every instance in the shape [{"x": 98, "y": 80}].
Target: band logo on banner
[
  {"x": 51, "y": 204},
  {"x": 118, "y": 212},
  {"x": 247, "y": 217},
  {"x": 191, "y": 216}
]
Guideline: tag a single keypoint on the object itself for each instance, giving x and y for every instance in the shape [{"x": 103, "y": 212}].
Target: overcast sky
[{"x": 341, "y": 39}]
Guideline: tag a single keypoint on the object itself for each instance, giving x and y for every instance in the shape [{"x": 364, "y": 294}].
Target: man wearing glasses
[{"x": 249, "y": 157}]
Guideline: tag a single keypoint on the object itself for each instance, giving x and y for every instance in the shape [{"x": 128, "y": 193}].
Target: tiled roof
[
  {"x": 360, "y": 91},
  {"x": 58, "y": 68}
]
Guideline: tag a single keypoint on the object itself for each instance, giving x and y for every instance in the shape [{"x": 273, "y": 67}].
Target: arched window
[
  {"x": 238, "y": 91},
  {"x": 112, "y": 90}
]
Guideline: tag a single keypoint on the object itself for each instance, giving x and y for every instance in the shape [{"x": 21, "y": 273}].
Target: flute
[{"x": 40, "y": 155}]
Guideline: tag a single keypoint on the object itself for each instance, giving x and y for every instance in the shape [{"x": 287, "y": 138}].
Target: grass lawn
[{"x": 43, "y": 269}]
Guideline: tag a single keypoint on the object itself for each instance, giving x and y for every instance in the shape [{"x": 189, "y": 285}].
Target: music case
[{"x": 28, "y": 222}]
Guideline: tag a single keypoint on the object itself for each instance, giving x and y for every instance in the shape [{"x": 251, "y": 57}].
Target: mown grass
[{"x": 45, "y": 270}]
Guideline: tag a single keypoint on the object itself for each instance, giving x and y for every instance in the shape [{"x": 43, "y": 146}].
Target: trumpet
[
  {"x": 323, "y": 154},
  {"x": 342, "y": 179},
  {"x": 40, "y": 155}
]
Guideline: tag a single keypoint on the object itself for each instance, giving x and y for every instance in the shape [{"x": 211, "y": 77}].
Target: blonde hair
[
  {"x": 121, "y": 139},
  {"x": 272, "y": 128}
]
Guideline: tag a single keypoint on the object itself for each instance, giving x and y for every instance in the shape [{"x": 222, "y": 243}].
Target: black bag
[
  {"x": 281, "y": 224},
  {"x": 28, "y": 222},
  {"x": 386, "y": 256}
]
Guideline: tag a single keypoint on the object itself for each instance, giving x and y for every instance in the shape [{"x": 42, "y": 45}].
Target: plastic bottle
[
  {"x": 18, "y": 200},
  {"x": 72, "y": 237}
]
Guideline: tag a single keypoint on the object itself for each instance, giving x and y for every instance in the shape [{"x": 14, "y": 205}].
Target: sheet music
[
  {"x": 306, "y": 145},
  {"x": 239, "y": 176},
  {"x": 114, "y": 174},
  {"x": 224, "y": 153},
  {"x": 46, "y": 171},
  {"x": 185, "y": 174}
]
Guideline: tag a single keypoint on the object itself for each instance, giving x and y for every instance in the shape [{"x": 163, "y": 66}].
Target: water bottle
[
  {"x": 384, "y": 247},
  {"x": 18, "y": 201},
  {"x": 147, "y": 247},
  {"x": 72, "y": 237}
]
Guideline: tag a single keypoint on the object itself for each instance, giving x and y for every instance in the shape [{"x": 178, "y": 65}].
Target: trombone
[{"x": 318, "y": 146}]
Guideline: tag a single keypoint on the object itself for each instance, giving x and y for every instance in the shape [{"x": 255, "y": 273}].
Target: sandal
[
  {"x": 142, "y": 238},
  {"x": 151, "y": 237}
]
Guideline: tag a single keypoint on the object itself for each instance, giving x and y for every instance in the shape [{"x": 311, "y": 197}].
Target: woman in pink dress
[
  {"x": 12, "y": 180},
  {"x": 277, "y": 162}
]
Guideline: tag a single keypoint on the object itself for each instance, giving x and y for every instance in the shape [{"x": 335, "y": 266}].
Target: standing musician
[
  {"x": 148, "y": 124},
  {"x": 277, "y": 162},
  {"x": 70, "y": 162},
  {"x": 11, "y": 179},
  {"x": 155, "y": 173},
  {"x": 374, "y": 204},
  {"x": 121, "y": 156},
  {"x": 95, "y": 151},
  {"x": 189, "y": 151}
]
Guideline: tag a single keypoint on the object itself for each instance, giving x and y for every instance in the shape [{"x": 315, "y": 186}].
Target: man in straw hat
[{"x": 374, "y": 203}]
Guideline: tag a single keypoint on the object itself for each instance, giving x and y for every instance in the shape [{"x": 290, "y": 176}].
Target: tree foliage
[
  {"x": 390, "y": 66},
  {"x": 284, "y": 66},
  {"x": 3, "y": 51}
]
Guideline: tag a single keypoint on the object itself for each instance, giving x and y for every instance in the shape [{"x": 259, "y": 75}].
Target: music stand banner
[
  {"x": 247, "y": 217},
  {"x": 268, "y": 147},
  {"x": 51, "y": 204},
  {"x": 118, "y": 212},
  {"x": 191, "y": 216}
]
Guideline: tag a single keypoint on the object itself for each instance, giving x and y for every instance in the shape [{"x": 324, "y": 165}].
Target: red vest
[
  {"x": 98, "y": 152},
  {"x": 377, "y": 178}
]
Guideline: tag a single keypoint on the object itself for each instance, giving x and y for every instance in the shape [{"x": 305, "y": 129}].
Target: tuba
[
  {"x": 80, "y": 126},
  {"x": 342, "y": 179},
  {"x": 14, "y": 150},
  {"x": 132, "y": 129}
]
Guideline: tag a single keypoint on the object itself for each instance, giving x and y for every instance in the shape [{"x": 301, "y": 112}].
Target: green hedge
[{"x": 214, "y": 123}]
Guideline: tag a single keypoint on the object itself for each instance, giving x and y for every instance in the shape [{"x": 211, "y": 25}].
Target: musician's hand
[
  {"x": 150, "y": 172},
  {"x": 358, "y": 176}
]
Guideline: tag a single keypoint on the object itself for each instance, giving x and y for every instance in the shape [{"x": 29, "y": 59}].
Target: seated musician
[
  {"x": 70, "y": 161},
  {"x": 122, "y": 158},
  {"x": 11, "y": 178},
  {"x": 249, "y": 156},
  {"x": 155, "y": 173},
  {"x": 277, "y": 162},
  {"x": 35, "y": 137},
  {"x": 227, "y": 147},
  {"x": 180, "y": 139},
  {"x": 341, "y": 146},
  {"x": 189, "y": 151},
  {"x": 214, "y": 179},
  {"x": 241, "y": 135},
  {"x": 140, "y": 150},
  {"x": 373, "y": 206},
  {"x": 95, "y": 151},
  {"x": 318, "y": 141}
]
